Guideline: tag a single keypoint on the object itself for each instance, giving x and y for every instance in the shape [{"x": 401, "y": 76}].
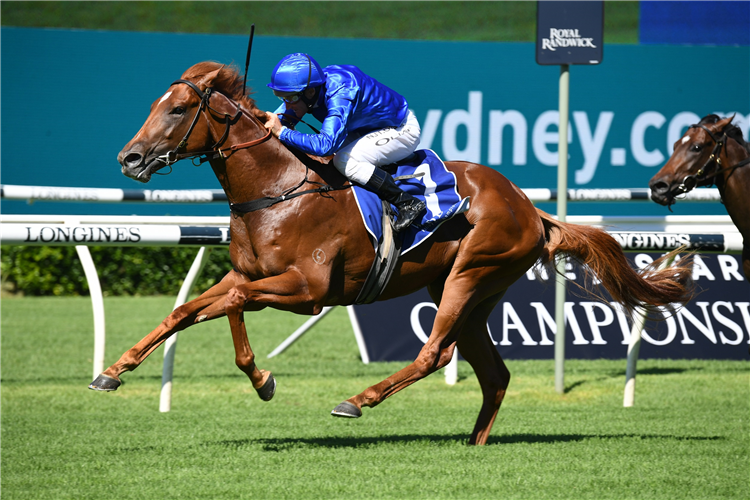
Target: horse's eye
[
  {"x": 179, "y": 110},
  {"x": 695, "y": 148}
]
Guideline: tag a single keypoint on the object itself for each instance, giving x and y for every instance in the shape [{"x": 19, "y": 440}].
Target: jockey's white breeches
[{"x": 358, "y": 159}]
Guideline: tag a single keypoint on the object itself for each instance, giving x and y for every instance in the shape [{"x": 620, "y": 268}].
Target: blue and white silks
[
  {"x": 437, "y": 187},
  {"x": 352, "y": 102}
]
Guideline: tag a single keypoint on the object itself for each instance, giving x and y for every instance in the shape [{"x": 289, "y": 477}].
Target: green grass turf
[
  {"x": 465, "y": 21},
  {"x": 686, "y": 437}
]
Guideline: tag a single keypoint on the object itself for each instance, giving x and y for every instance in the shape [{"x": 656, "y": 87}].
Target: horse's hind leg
[
  {"x": 209, "y": 305},
  {"x": 475, "y": 345},
  {"x": 460, "y": 296},
  {"x": 500, "y": 249}
]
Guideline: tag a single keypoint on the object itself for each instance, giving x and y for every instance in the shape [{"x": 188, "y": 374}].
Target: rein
[
  {"x": 178, "y": 153},
  {"x": 690, "y": 182},
  {"x": 246, "y": 207}
]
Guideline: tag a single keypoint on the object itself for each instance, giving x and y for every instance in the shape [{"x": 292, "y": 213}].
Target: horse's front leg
[
  {"x": 209, "y": 305},
  {"x": 289, "y": 292}
]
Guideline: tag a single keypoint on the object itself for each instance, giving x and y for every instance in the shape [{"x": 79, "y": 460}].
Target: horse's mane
[
  {"x": 733, "y": 131},
  {"x": 228, "y": 82}
]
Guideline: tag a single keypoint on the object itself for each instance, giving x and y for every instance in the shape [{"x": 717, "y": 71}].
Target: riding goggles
[{"x": 288, "y": 97}]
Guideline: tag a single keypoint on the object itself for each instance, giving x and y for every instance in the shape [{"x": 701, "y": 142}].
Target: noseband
[
  {"x": 179, "y": 152},
  {"x": 703, "y": 175}
]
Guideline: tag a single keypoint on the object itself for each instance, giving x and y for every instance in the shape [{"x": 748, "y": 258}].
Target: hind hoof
[
  {"x": 104, "y": 383},
  {"x": 346, "y": 410},
  {"x": 268, "y": 390}
]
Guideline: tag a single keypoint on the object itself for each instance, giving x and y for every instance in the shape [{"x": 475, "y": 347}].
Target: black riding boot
[{"x": 409, "y": 208}]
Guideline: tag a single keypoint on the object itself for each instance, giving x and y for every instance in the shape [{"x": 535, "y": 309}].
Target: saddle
[
  {"x": 424, "y": 176},
  {"x": 386, "y": 257}
]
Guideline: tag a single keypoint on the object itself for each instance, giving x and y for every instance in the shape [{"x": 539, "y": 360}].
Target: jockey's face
[{"x": 299, "y": 106}]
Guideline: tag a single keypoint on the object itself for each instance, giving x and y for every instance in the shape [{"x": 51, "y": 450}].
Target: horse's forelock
[
  {"x": 735, "y": 132},
  {"x": 229, "y": 81},
  {"x": 731, "y": 130},
  {"x": 709, "y": 119}
]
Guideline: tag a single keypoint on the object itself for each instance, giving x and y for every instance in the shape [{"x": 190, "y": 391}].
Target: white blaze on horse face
[
  {"x": 685, "y": 139},
  {"x": 166, "y": 96}
]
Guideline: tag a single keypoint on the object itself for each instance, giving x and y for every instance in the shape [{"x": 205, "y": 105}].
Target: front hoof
[
  {"x": 104, "y": 383},
  {"x": 268, "y": 390},
  {"x": 347, "y": 410}
]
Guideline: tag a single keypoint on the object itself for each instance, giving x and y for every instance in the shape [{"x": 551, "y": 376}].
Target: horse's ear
[
  {"x": 208, "y": 78},
  {"x": 721, "y": 124}
]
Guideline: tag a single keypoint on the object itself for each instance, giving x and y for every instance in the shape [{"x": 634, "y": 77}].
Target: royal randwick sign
[
  {"x": 560, "y": 38},
  {"x": 569, "y": 32}
]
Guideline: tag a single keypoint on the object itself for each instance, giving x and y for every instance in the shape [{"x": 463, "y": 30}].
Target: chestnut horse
[
  {"x": 312, "y": 251},
  {"x": 712, "y": 152}
]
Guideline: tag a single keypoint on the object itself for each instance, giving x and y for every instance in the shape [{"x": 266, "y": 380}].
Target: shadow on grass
[
  {"x": 659, "y": 371},
  {"x": 125, "y": 377},
  {"x": 573, "y": 386},
  {"x": 285, "y": 444},
  {"x": 621, "y": 373}
]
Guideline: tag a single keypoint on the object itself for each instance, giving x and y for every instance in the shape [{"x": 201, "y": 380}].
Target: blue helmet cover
[{"x": 296, "y": 72}]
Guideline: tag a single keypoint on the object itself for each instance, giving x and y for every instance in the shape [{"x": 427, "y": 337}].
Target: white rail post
[
  {"x": 300, "y": 331},
  {"x": 358, "y": 335},
  {"x": 451, "y": 369},
  {"x": 307, "y": 325},
  {"x": 170, "y": 346},
  {"x": 97, "y": 303},
  {"x": 562, "y": 212},
  {"x": 634, "y": 346}
]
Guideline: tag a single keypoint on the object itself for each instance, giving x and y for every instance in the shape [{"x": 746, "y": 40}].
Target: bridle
[
  {"x": 705, "y": 176},
  {"x": 179, "y": 152}
]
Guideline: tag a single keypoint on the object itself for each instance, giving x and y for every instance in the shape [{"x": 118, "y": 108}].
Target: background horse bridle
[{"x": 703, "y": 175}]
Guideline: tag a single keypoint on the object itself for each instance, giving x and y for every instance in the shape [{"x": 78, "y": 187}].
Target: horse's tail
[{"x": 603, "y": 257}]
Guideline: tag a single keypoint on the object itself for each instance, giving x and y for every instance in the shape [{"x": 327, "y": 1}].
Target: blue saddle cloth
[{"x": 436, "y": 186}]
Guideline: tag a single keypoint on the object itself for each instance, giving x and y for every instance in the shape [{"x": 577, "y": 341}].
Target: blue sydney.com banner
[{"x": 486, "y": 102}]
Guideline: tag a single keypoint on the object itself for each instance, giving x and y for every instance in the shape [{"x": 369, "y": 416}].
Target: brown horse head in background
[
  {"x": 311, "y": 251},
  {"x": 712, "y": 152}
]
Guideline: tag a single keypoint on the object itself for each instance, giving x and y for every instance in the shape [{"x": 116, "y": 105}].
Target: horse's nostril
[
  {"x": 133, "y": 159},
  {"x": 659, "y": 187}
]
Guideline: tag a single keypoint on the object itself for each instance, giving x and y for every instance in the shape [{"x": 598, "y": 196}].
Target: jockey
[{"x": 365, "y": 125}]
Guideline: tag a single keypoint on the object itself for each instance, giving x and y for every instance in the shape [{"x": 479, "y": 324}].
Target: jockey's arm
[
  {"x": 288, "y": 116},
  {"x": 332, "y": 133}
]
